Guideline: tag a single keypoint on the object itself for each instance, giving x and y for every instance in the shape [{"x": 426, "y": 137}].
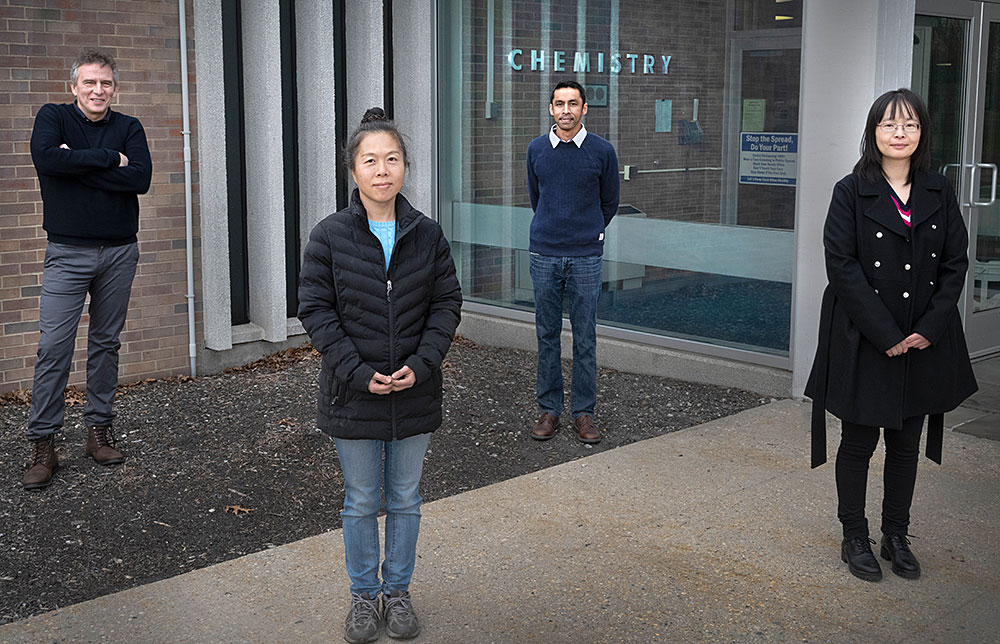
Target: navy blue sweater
[
  {"x": 574, "y": 193},
  {"x": 88, "y": 200}
]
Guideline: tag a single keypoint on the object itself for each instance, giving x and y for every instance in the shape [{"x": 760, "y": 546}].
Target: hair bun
[{"x": 374, "y": 114}]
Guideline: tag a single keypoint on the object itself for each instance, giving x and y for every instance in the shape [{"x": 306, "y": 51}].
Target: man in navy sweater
[
  {"x": 573, "y": 185},
  {"x": 92, "y": 164}
]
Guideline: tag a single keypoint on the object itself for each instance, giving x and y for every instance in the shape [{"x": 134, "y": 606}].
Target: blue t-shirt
[{"x": 386, "y": 233}]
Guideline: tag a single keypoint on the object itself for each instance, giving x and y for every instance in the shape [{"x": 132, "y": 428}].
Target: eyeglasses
[{"x": 890, "y": 128}]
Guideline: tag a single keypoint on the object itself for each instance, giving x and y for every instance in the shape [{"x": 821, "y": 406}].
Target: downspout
[{"x": 188, "y": 215}]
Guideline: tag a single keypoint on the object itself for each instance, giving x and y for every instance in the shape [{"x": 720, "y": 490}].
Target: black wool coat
[
  {"x": 364, "y": 318},
  {"x": 887, "y": 281}
]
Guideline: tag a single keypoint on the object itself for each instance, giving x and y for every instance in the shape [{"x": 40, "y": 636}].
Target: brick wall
[{"x": 39, "y": 39}]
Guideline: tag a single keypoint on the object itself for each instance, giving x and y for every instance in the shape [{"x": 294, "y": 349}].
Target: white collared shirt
[{"x": 578, "y": 139}]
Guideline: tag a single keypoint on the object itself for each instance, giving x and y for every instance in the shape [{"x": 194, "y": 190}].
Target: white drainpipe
[{"x": 188, "y": 216}]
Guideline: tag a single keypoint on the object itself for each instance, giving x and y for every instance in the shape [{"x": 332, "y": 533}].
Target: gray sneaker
[
  {"x": 362, "y": 620},
  {"x": 397, "y": 612}
]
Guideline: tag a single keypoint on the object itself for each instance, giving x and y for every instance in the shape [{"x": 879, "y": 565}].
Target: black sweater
[{"x": 88, "y": 200}]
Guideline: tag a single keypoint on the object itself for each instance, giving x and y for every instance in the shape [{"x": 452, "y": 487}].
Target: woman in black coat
[
  {"x": 379, "y": 297},
  {"x": 891, "y": 346}
]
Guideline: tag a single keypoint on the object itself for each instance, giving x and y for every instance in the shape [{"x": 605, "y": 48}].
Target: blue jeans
[
  {"x": 361, "y": 463},
  {"x": 579, "y": 278}
]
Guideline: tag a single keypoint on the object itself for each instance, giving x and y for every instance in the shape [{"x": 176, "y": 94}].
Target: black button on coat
[
  {"x": 886, "y": 281},
  {"x": 363, "y": 318}
]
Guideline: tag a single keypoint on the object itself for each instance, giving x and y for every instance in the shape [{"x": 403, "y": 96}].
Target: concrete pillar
[
  {"x": 265, "y": 168},
  {"x": 213, "y": 204},
  {"x": 852, "y": 51},
  {"x": 319, "y": 160},
  {"x": 365, "y": 57},
  {"x": 894, "y": 45},
  {"x": 415, "y": 100}
]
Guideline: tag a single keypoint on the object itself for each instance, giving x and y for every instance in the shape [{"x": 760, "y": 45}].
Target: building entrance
[{"x": 956, "y": 68}]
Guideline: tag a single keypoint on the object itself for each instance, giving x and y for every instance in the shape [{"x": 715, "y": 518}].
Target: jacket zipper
[
  {"x": 392, "y": 345},
  {"x": 392, "y": 331}
]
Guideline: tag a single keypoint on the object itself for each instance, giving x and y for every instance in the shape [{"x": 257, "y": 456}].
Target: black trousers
[{"x": 902, "y": 448}]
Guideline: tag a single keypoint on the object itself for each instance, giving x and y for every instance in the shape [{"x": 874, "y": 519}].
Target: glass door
[{"x": 956, "y": 68}]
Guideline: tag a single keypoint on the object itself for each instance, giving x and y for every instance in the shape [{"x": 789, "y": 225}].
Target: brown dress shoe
[
  {"x": 585, "y": 430},
  {"x": 44, "y": 463},
  {"x": 100, "y": 445},
  {"x": 545, "y": 427}
]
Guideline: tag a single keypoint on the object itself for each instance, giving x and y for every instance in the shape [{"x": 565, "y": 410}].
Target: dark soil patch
[{"x": 226, "y": 465}]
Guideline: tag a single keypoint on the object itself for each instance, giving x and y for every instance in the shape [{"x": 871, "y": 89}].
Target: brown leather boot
[
  {"x": 100, "y": 445},
  {"x": 44, "y": 463},
  {"x": 586, "y": 432},
  {"x": 545, "y": 427}
]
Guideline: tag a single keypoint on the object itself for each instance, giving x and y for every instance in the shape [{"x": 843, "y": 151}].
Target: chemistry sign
[{"x": 538, "y": 60}]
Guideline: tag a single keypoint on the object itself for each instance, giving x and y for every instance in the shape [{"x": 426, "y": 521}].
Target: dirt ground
[{"x": 225, "y": 465}]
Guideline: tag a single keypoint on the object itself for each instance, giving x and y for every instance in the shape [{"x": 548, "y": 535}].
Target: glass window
[
  {"x": 704, "y": 118},
  {"x": 232, "y": 61},
  {"x": 767, "y": 14},
  {"x": 987, "y": 261},
  {"x": 236, "y": 144},
  {"x": 290, "y": 151},
  {"x": 939, "y": 71}
]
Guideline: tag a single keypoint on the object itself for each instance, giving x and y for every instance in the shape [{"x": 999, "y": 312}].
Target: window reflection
[{"x": 702, "y": 247}]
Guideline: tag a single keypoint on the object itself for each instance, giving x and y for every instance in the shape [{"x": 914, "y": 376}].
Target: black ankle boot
[
  {"x": 896, "y": 548},
  {"x": 861, "y": 561}
]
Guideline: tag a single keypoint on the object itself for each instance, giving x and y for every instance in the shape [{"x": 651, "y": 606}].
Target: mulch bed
[{"x": 225, "y": 465}]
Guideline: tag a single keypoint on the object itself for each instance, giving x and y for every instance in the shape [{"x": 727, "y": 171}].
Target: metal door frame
[
  {"x": 982, "y": 328},
  {"x": 739, "y": 43}
]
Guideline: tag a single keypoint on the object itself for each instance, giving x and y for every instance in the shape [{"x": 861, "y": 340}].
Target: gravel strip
[{"x": 222, "y": 466}]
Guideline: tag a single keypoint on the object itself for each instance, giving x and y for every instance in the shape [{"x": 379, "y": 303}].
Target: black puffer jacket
[{"x": 364, "y": 319}]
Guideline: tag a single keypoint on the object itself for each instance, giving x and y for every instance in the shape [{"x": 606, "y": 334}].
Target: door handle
[
  {"x": 972, "y": 194},
  {"x": 972, "y": 184},
  {"x": 944, "y": 169},
  {"x": 958, "y": 178}
]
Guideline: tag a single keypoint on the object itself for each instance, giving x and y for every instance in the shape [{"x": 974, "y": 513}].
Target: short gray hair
[{"x": 88, "y": 56}]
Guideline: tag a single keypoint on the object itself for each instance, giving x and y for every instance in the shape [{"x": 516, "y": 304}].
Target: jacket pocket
[
  {"x": 340, "y": 391},
  {"x": 333, "y": 392},
  {"x": 437, "y": 377}
]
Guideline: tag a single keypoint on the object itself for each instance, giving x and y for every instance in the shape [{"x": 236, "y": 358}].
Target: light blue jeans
[
  {"x": 361, "y": 461},
  {"x": 579, "y": 279}
]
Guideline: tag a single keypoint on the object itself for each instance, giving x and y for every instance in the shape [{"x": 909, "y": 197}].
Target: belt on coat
[{"x": 935, "y": 422}]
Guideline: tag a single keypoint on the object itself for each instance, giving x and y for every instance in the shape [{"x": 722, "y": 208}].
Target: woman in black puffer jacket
[{"x": 379, "y": 297}]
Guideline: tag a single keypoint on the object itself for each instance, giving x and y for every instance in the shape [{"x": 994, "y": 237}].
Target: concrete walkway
[
  {"x": 718, "y": 533},
  {"x": 980, "y": 414}
]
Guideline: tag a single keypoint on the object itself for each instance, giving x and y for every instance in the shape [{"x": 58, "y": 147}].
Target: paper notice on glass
[
  {"x": 753, "y": 114},
  {"x": 769, "y": 158},
  {"x": 664, "y": 115}
]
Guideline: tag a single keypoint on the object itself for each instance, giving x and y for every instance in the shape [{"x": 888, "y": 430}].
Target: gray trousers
[{"x": 70, "y": 273}]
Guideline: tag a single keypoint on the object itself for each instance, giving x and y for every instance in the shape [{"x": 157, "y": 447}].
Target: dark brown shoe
[
  {"x": 43, "y": 465},
  {"x": 585, "y": 430},
  {"x": 101, "y": 445},
  {"x": 545, "y": 427}
]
